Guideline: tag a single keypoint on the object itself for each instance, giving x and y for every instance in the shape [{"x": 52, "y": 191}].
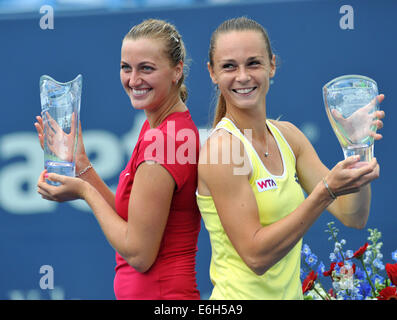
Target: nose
[
  {"x": 134, "y": 79},
  {"x": 243, "y": 75}
]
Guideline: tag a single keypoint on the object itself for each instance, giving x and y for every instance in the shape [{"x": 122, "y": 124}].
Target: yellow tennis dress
[{"x": 276, "y": 196}]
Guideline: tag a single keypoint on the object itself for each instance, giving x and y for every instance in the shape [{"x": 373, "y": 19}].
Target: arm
[
  {"x": 353, "y": 204},
  {"x": 82, "y": 161},
  {"x": 259, "y": 246},
  {"x": 137, "y": 240},
  {"x": 351, "y": 185}
]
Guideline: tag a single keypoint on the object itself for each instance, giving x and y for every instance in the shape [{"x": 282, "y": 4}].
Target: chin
[
  {"x": 246, "y": 105},
  {"x": 138, "y": 104}
]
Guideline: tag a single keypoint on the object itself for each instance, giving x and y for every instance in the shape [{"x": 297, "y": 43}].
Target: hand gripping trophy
[
  {"x": 351, "y": 103},
  {"x": 60, "y": 110}
]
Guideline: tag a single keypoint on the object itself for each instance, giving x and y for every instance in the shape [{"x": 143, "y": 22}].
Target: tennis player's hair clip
[{"x": 175, "y": 38}]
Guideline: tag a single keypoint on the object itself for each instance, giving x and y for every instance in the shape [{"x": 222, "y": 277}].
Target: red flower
[
  {"x": 391, "y": 270},
  {"x": 359, "y": 253},
  {"x": 308, "y": 283},
  {"x": 388, "y": 293},
  {"x": 329, "y": 272}
]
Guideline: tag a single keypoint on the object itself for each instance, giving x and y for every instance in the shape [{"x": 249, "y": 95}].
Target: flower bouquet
[{"x": 358, "y": 275}]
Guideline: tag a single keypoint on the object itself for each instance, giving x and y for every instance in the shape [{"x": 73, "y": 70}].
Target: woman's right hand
[
  {"x": 360, "y": 124},
  {"x": 40, "y": 130},
  {"x": 349, "y": 175}
]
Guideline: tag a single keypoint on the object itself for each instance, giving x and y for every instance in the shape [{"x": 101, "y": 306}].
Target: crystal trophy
[
  {"x": 60, "y": 111},
  {"x": 351, "y": 102}
]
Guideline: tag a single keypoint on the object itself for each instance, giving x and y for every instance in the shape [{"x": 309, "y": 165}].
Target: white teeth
[
  {"x": 139, "y": 92},
  {"x": 244, "y": 90}
]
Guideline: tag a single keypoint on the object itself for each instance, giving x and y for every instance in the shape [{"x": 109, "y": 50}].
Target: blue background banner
[{"x": 313, "y": 46}]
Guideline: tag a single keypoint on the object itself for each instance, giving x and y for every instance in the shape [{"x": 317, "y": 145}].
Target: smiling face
[
  {"x": 146, "y": 73},
  {"x": 241, "y": 68}
]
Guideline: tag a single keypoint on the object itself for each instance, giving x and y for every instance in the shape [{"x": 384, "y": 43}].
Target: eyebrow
[
  {"x": 140, "y": 64},
  {"x": 249, "y": 59}
]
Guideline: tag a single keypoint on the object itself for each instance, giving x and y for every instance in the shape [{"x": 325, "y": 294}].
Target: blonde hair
[
  {"x": 235, "y": 24},
  {"x": 174, "y": 46}
]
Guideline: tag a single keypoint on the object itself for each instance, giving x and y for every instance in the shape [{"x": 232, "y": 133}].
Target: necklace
[
  {"x": 266, "y": 154},
  {"x": 267, "y": 142}
]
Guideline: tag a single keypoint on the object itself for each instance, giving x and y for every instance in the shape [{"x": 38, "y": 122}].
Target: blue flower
[
  {"x": 379, "y": 264},
  {"x": 378, "y": 279},
  {"x": 394, "y": 255},
  {"x": 311, "y": 260},
  {"x": 349, "y": 253},
  {"x": 360, "y": 274},
  {"x": 306, "y": 250},
  {"x": 302, "y": 274},
  {"x": 365, "y": 282},
  {"x": 320, "y": 269},
  {"x": 364, "y": 289}
]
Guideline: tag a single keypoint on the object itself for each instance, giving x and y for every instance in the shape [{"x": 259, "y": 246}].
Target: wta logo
[{"x": 266, "y": 184}]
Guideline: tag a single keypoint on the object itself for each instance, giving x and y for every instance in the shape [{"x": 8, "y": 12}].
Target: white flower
[{"x": 349, "y": 253}]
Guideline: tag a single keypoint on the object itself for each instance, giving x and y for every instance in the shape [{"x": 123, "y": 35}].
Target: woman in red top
[{"x": 153, "y": 221}]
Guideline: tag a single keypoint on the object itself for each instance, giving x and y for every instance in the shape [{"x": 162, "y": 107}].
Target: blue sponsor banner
[{"x": 57, "y": 251}]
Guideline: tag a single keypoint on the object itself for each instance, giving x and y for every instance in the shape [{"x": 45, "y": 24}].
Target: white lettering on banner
[
  {"x": 18, "y": 180},
  {"x": 23, "y": 158},
  {"x": 58, "y": 293},
  {"x": 107, "y": 156}
]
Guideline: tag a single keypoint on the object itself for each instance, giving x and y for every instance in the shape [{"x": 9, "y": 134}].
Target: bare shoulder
[
  {"x": 286, "y": 127},
  {"x": 291, "y": 133},
  {"x": 222, "y": 151},
  {"x": 219, "y": 144}
]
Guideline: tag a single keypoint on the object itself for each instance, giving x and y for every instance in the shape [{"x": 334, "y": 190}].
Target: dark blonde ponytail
[{"x": 220, "y": 110}]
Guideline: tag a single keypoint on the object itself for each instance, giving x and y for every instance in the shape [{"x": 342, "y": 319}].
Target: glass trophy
[
  {"x": 351, "y": 102},
  {"x": 60, "y": 111}
]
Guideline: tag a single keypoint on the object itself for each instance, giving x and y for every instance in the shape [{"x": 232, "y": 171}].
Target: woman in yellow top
[{"x": 252, "y": 171}]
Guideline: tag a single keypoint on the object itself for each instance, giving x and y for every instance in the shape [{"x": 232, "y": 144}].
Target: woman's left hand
[
  {"x": 69, "y": 189},
  {"x": 380, "y": 114}
]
